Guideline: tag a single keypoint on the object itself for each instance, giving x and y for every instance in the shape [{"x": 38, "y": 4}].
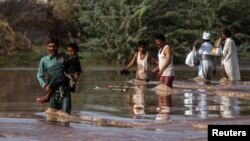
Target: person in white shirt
[
  {"x": 206, "y": 66},
  {"x": 229, "y": 61},
  {"x": 165, "y": 69}
]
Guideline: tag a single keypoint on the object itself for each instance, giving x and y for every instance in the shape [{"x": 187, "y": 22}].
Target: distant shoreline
[{"x": 117, "y": 67}]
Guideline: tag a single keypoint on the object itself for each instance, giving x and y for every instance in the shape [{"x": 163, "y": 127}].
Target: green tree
[{"x": 113, "y": 27}]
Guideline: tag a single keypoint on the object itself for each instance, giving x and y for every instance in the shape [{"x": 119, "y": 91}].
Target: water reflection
[
  {"x": 214, "y": 106},
  {"x": 164, "y": 107},
  {"x": 18, "y": 92},
  {"x": 202, "y": 106},
  {"x": 158, "y": 104},
  {"x": 138, "y": 100},
  {"x": 189, "y": 102},
  {"x": 206, "y": 106},
  {"x": 229, "y": 107}
]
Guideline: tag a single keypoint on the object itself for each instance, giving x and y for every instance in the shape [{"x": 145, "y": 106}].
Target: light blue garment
[
  {"x": 45, "y": 63},
  {"x": 206, "y": 48},
  {"x": 205, "y": 69}
]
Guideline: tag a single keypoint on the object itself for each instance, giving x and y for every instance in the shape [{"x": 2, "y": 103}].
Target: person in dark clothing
[{"x": 73, "y": 66}]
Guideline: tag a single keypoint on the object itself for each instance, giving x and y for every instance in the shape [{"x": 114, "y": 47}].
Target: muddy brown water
[{"x": 102, "y": 92}]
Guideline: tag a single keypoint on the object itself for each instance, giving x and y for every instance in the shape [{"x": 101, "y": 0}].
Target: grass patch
[
  {"x": 92, "y": 58},
  {"x": 22, "y": 58}
]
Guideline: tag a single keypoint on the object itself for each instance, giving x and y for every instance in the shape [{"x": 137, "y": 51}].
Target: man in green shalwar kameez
[{"x": 52, "y": 67}]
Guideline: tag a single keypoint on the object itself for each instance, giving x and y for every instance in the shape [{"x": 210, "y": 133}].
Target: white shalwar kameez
[{"x": 230, "y": 60}]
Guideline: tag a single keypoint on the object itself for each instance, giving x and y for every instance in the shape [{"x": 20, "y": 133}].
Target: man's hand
[
  {"x": 155, "y": 70},
  {"x": 159, "y": 73},
  {"x": 124, "y": 71},
  {"x": 62, "y": 59}
]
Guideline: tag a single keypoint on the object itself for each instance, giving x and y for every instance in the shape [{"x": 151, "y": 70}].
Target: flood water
[{"x": 103, "y": 92}]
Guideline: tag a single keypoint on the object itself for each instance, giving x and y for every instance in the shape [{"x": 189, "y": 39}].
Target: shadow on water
[{"x": 108, "y": 95}]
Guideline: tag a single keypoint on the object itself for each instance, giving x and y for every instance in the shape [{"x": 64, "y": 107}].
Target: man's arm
[
  {"x": 132, "y": 61},
  {"x": 41, "y": 73}
]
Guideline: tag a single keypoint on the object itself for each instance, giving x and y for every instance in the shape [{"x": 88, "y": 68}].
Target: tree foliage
[{"x": 112, "y": 27}]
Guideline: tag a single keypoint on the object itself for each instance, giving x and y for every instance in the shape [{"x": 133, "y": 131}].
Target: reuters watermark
[{"x": 216, "y": 132}]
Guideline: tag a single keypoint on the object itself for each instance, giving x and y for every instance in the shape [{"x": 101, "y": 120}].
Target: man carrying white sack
[{"x": 206, "y": 66}]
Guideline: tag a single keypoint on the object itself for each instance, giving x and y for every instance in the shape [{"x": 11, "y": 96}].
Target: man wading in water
[
  {"x": 141, "y": 58},
  {"x": 52, "y": 66},
  {"x": 72, "y": 70},
  {"x": 165, "y": 69}
]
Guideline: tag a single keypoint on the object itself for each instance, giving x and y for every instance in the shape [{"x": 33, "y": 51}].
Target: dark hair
[
  {"x": 197, "y": 44},
  {"x": 53, "y": 40},
  {"x": 227, "y": 32},
  {"x": 160, "y": 37},
  {"x": 74, "y": 46},
  {"x": 142, "y": 43}
]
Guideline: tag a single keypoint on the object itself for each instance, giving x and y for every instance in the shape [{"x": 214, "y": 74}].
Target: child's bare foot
[
  {"x": 42, "y": 99},
  {"x": 45, "y": 98}
]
